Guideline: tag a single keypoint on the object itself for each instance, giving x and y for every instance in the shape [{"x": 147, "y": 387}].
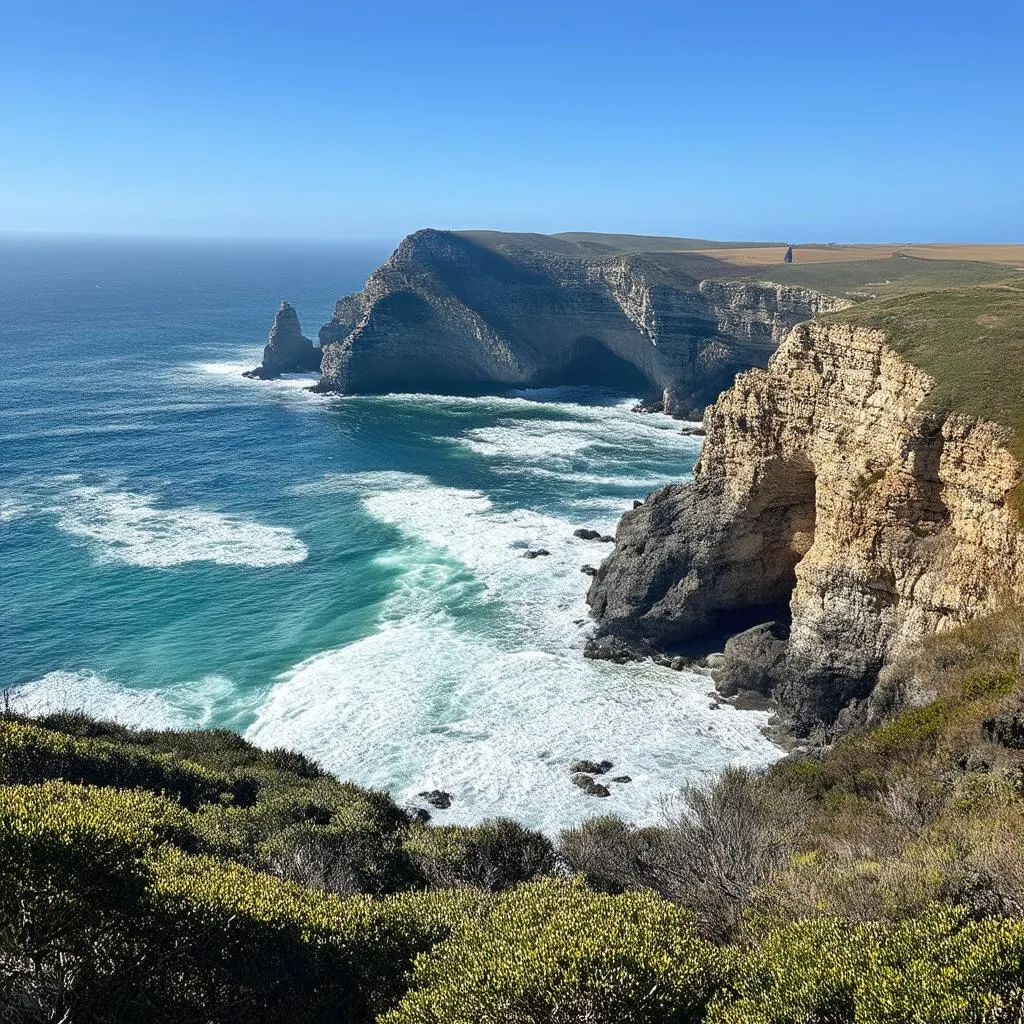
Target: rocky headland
[
  {"x": 477, "y": 311},
  {"x": 837, "y": 515},
  {"x": 287, "y": 350}
]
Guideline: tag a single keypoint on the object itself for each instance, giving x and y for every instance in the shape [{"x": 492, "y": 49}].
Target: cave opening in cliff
[
  {"x": 594, "y": 365},
  {"x": 780, "y": 532}
]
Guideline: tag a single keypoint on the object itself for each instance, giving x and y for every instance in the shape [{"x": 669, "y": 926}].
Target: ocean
[{"x": 183, "y": 547}]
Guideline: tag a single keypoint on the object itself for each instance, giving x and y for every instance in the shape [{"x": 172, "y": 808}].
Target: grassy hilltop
[
  {"x": 854, "y": 271},
  {"x": 190, "y": 877},
  {"x": 971, "y": 340}
]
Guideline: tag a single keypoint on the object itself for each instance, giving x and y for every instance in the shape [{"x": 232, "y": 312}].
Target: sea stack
[{"x": 287, "y": 350}]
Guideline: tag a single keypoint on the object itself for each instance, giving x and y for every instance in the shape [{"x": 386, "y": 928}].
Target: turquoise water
[{"x": 180, "y": 545}]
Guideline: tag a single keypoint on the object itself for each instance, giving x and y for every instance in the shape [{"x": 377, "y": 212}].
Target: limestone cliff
[
  {"x": 448, "y": 312},
  {"x": 286, "y": 351},
  {"x": 832, "y": 500}
]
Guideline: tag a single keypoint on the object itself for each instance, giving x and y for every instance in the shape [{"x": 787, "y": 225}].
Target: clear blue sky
[{"x": 725, "y": 119}]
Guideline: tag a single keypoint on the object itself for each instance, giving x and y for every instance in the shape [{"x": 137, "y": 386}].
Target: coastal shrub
[
  {"x": 103, "y": 918},
  {"x": 494, "y": 855},
  {"x": 942, "y": 968},
  {"x": 554, "y": 952},
  {"x": 610, "y": 854},
  {"x": 341, "y": 858},
  {"x": 217, "y": 749},
  {"x": 722, "y": 838},
  {"x": 263, "y": 950},
  {"x": 32, "y": 754},
  {"x": 72, "y": 880}
]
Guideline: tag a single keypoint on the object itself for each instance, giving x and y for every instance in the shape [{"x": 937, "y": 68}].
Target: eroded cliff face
[
  {"x": 832, "y": 500},
  {"x": 446, "y": 312}
]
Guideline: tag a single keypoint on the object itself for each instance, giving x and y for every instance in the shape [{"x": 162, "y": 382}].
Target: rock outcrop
[
  {"x": 449, "y": 312},
  {"x": 286, "y": 351},
  {"x": 832, "y": 501}
]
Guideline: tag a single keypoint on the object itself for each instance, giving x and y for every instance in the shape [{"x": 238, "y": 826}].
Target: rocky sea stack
[{"x": 286, "y": 351}]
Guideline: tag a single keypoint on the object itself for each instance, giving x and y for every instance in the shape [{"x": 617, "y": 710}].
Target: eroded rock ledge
[
  {"x": 831, "y": 501},
  {"x": 447, "y": 312}
]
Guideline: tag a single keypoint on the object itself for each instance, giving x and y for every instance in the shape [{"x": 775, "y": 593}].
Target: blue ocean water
[{"x": 180, "y": 545}]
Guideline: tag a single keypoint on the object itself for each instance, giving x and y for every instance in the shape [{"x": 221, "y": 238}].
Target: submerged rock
[
  {"x": 588, "y": 570},
  {"x": 589, "y": 786},
  {"x": 536, "y": 553},
  {"x": 286, "y": 351},
  {"x": 437, "y": 798},
  {"x": 592, "y": 767}
]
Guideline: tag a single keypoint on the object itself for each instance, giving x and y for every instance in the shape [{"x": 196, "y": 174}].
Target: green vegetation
[
  {"x": 971, "y": 340},
  {"x": 190, "y": 877},
  {"x": 883, "y": 278},
  {"x": 595, "y": 243}
]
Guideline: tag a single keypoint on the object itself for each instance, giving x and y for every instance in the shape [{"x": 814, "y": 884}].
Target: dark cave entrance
[
  {"x": 594, "y": 365},
  {"x": 782, "y": 520}
]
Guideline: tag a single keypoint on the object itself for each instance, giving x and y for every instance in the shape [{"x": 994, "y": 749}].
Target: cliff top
[
  {"x": 859, "y": 272},
  {"x": 971, "y": 340}
]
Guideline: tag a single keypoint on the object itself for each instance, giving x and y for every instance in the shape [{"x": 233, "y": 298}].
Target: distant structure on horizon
[{"x": 788, "y": 258}]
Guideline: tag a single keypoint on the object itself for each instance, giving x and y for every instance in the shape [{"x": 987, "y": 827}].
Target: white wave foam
[
  {"x": 191, "y": 705},
  {"x": 127, "y": 527},
  {"x": 475, "y": 680},
  {"x": 13, "y": 508},
  {"x": 414, "y": 708},
  {"x": 98, "y": 696}
]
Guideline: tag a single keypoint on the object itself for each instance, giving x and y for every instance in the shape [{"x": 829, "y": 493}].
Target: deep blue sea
[{"x": 182, "y": 546}]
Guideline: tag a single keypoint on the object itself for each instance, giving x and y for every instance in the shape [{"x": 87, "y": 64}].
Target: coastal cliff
[
  {"x": 449, "y": 312},
  {"x": 287, "y": 350},
  {"x": 836, "y": 505}
]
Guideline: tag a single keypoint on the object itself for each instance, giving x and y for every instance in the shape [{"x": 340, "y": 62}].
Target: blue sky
[{"x": 799, "y": 121}]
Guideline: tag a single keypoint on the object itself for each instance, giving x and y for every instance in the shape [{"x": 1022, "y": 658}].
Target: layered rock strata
[
  {"x": 834, "y": 503},
  {"x": 286, "y": 351},
  {"x": 449, "y": 313}
]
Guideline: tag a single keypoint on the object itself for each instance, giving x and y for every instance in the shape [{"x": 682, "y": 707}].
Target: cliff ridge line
[{"x": 446, "y": 312}]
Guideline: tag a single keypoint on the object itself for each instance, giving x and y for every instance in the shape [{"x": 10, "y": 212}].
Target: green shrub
[
  {"x": 939, "y": 969},
  {"x": 102, "y": 918},
  {"x": 268, "y": 950},
  {"x": 31, "y": 754},
  {"x": 553, "y": 952},
  {"x": 220, "y": 750},
  {"x": 72, "y": 880},
  {"x": 494, "y": 855},
  {"x": 610, "y": 854},
  {"x": 342, "y": 858}
]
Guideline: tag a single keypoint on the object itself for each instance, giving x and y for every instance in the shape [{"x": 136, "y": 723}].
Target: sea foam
[
  {"x": 131, "y": 528},
  {"x": 475, "y": 682}
]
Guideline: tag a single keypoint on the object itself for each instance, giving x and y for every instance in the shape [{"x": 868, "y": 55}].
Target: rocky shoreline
[{"x": 834, "y": 520}]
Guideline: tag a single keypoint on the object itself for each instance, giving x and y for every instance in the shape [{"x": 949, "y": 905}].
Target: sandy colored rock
[{"x": 832, "y": 500}]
